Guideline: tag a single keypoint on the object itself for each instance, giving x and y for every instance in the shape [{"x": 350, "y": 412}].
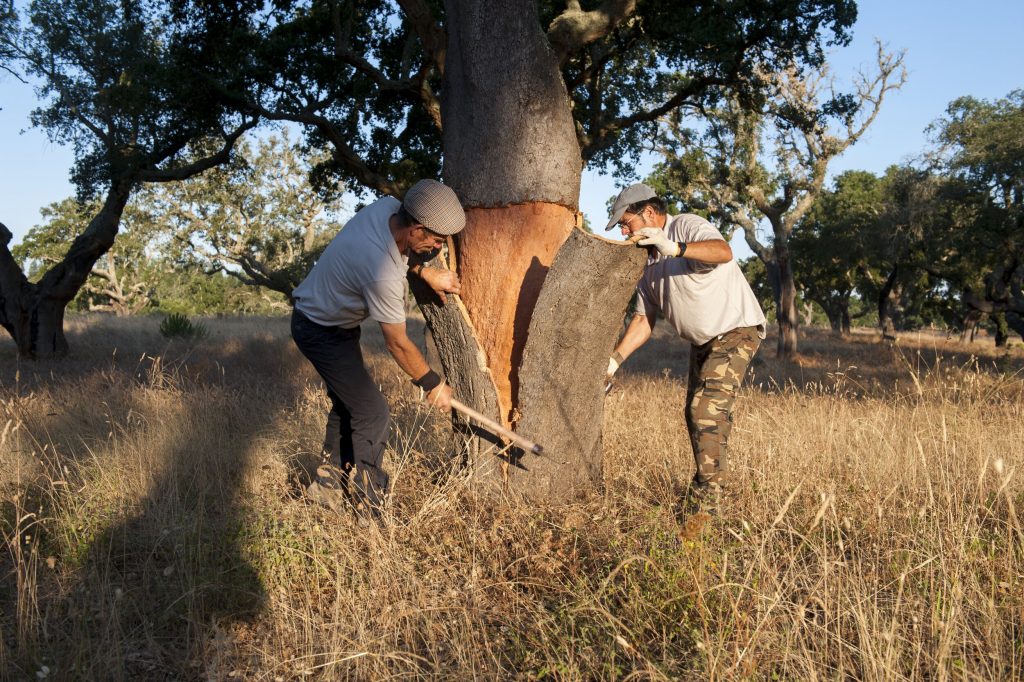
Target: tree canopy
[{"x": 367, "y": 77}]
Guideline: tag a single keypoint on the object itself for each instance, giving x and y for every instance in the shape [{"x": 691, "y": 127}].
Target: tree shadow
[{"x": 155, "y": 567}]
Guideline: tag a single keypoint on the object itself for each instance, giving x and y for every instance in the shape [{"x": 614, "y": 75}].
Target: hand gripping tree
[{"x": 514, "y": 97}]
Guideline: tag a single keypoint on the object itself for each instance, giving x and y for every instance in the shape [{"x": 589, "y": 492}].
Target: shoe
[
  {"x": 332, "y": 477},
  {"x": 327, "y": 497},
  {"x": 705, "y": 498}
]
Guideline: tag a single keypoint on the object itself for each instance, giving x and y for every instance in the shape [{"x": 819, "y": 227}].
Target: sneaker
[
  {"x": 703, "y": 498},
  {"x": 332, "y": 477},
  {"x": 327, "y": 497}
]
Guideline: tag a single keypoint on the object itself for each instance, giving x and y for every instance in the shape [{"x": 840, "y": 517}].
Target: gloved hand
[
  {"x": 613, "y": 367},
  {"x": 654, "y": 236}
]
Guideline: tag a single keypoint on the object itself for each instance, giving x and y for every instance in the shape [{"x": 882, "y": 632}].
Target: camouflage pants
[{"x": 716, "y": 371}]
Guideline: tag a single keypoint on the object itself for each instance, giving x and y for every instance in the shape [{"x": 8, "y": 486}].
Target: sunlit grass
[{"x": 154, "y": 529}]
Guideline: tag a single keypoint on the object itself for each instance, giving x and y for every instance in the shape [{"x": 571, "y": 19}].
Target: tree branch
[
  {"x": 574, "y": 28},
  {"x": 223, "y": 155}
]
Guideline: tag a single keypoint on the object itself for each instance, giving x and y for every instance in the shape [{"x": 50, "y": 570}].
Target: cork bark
[{"x": 575, "y": 325}]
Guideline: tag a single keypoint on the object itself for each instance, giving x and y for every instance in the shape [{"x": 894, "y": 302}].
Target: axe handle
[{"x": 497, "y": 428}]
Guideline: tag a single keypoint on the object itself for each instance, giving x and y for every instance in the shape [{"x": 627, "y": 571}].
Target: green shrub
[{"x": 179, "y": 326}]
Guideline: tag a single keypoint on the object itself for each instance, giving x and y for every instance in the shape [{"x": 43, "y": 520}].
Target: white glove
[
  {"x": 613, "y": 367},
  {"x": 654, "y": 236}
]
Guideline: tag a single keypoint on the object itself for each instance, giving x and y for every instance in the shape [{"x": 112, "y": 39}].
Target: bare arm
[
  {"x": 636, "y": 335},
  {"x": 409, "y": 358},
  {"x": 712, "y": 251}
]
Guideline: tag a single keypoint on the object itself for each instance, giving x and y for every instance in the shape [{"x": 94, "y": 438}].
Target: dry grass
[{"x": 154, "y": 532}]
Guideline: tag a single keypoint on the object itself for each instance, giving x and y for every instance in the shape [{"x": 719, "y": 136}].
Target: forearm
[
  {"x": 636, "y": 335},
  {"x": 713, "y": 251},
  {"x": 405, "y": 352}
]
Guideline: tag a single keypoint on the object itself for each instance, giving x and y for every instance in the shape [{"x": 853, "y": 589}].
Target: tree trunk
[
  {"x": 785, "y": 306},
  {"x": 885, "y": 306},
  {"x": 511, "y": 155},
  {"x": 971, "y": 320},
  {"x": 808, "y": 313},
  {"x": 33, "y": 314},
  {"x": 838, "y": 312},
  {"x": 1002, "y": 329}
]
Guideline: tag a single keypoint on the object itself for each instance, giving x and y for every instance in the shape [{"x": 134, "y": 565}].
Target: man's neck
[{"x": 399, "y": 234}]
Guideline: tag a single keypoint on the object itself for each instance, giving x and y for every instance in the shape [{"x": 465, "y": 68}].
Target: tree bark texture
[
  {"x": 509, "y": 136},
  {"x": 511, "y": 155},
  {"x": 575, "y": 325},
  {"x": 33, "y": 314},
  {"x": 785, "y": 308}
]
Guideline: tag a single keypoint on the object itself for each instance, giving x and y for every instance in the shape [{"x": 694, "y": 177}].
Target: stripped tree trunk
[{"x": 511, "y": 155}]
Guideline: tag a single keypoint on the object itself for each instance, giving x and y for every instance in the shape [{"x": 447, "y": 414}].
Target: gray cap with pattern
[
  {"x": 626, "y": 198},
  {"x": 435, "y": 206}
]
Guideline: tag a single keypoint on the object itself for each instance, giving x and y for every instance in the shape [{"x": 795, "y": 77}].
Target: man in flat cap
[
  {"x": 692, "y": 278},
  {"x": 362, "y": 274}
]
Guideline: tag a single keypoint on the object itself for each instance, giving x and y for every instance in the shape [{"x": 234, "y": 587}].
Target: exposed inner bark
[
  {"x": 576, "y": 320},
  {"x": 503, "y": 257}
]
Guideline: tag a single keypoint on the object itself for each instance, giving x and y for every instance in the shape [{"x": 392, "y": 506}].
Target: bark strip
[
  {"x": 576, "y": 322},
  {"x": 465, "y": 366}
]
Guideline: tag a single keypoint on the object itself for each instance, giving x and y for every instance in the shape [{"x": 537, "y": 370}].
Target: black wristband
[
  {"x": 682, "y": 249},
  {"x": 429, "y": 381}
]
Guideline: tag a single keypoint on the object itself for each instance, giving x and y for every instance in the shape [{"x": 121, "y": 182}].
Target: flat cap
[
  {"x": 626, "y": 198},
  {"x": 435, "y": 206}
]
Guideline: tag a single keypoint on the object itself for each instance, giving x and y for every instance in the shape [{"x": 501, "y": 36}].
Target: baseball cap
[
  {"x": 435, "y": 206},
  {"x": 628, "y": 197}
]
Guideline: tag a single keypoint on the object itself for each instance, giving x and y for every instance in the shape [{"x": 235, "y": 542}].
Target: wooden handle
[{"x": 497, "y": 428}]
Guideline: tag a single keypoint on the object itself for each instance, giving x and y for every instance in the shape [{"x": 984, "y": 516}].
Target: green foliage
[
  {"x": 191, "y": 292},
  {"x": 112, "y": 85},
  {"x": 178, "y": 326},
  {"x": 365, "y": 82},
  {"x": 257, "y": 219}
]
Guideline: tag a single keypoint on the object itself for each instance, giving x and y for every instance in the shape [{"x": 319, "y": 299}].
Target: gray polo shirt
[
  {"x": 360, "y": 274},
  {"x": 701, "y": 300}
]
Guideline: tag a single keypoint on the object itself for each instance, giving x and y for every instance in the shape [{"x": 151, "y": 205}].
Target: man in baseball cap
[
  {"x": 692, "y": 278},
  {"x": 362, "y": 274}
]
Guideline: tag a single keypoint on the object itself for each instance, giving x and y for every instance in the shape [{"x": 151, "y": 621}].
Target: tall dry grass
[{"x": 154, "y": 529}]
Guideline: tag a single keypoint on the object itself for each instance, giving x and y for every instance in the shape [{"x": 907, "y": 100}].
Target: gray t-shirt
[
  {"x": 360, "y": 274},
  {"x": 701, "y": 300}
]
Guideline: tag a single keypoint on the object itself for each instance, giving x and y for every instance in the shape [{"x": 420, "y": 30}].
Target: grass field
[{"x": 154, "y": 529}]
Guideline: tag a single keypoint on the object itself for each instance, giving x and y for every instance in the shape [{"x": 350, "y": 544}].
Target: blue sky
[{"x": 953, "y": 49}]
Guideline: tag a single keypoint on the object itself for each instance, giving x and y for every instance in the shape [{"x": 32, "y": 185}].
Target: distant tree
[
  {"x": 116, "y": 84},
  {"x": 768, "y": 158},
  {"x": 257, "y": 219},
  {"x": 121, "y": 280},
  {"x": 982, "y": 143},
  {"x": 832, "y": 244}
]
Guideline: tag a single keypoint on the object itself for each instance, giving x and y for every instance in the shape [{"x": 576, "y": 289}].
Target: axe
[{"x": 497, "y": 428}]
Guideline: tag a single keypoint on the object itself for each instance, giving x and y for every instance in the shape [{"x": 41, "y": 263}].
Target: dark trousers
[{"x": 357, "y": 425}]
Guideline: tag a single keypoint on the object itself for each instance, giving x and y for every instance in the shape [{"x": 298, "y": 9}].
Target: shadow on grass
[{"x": 122, "y": 584}]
